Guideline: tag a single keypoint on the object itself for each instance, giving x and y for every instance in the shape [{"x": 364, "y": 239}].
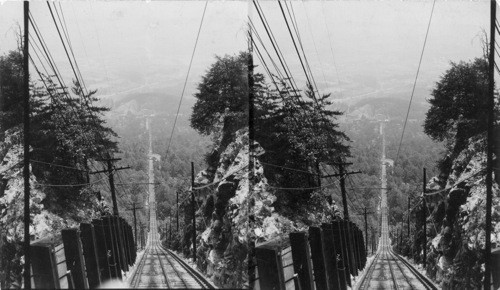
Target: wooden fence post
[
  {"x": 130, "y": 239},
  {"x": 131, "y": 244},
  {"x": 90, "y": 253},
  {"x": 495, "y": 263},
  {"x": 354, "y": 239},
  {"x": 340, "y": 242},
  {"x": 301, "y": 255},
  {"x": 270, "y": 267},
  {"x": 316, "y": 242},
  {"x": 119, "y": 236},
  {"x": 126, "y": 249},
  {"x": 352, "y": 259},
  {"x": 362, "y": 248},
  {"x": 112, "y": 247},
  {"x": 43, "y": 265},
  {"x": 102, "y": 246},
  {"x": 74, "y": 257},
  {"x": 330, "y": 255}
]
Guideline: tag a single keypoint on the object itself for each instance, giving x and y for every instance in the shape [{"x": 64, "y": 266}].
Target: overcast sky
[
  {"x": 373, "y": 47},
  {"x": 354, "y": 47},
  {"x": 133, "y": 46}
]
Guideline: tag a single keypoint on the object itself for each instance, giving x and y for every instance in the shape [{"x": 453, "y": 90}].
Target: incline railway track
[
  {"x": 158, "y": 267},
  {"x": 388, "y": 270}
]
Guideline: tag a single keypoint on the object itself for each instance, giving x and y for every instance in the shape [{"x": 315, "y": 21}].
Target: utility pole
[
  {"x": 110, "y": 170},
  {"x": 490, "y": 144},
  {"x": 401, "y": 235},
  {"x": 408, "y": 218},
  {"x": 366, "y": 231},
  {"x": 170, "y": 233},
  {"x": 142, "y": 235},
  {"x": 194, "y": 211},
  {"x": 133, "y": 209},
  {"x": 342, "y": 176},
  {"x": 424, "y": 219},
  {"x": 26, "y": 168},
  {"x": 342, "y": 188},
  {"x": 177, "y": 212},
  {"x": 373, "y": 240},
  {"x": 251, "y": 104}
]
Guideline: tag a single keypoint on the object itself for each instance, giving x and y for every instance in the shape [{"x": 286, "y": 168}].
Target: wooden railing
[
  {"x": 322, "y": 258},
  {"x": 84, "y": 257}
]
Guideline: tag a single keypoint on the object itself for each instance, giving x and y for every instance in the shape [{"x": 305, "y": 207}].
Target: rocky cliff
[{"x": 456, "y": 226}]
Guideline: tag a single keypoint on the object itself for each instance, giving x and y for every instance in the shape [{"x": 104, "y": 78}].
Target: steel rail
[
  {"x": 163, "y": 267},
  {"x": 198, "y": 277},
  {"x": 396, "y": 259},
  {"x": 137, "y": 275},
  {"x": 393, "y": 276},
  {"x": 172, "y": 265},
  {"x": 369, "y": 272},
  {"x": 424, "y": 280}
]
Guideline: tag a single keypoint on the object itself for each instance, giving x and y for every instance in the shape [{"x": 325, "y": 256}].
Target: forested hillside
[{"x": 67, "y": 131}]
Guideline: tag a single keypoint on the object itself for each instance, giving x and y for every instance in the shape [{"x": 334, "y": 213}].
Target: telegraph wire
[
  {"x": 68, "y": 39},
  {"x": 295, "y": 45},
  {"x": 275, "y": 46},
  {"x": 278, "y": 72},
  {"x": 314, "y": 41},
  {"x": 284, "y": 167},
  {"x": 329, "y": 41},
  {"x": 268, "y": 72},
  {"x": 187, "y": 76},
  {"x": 297, "y": 32},
  {"x": 54, "y": 67},
  {"x": 415, "y": 81},
  {"x": 47, "y": 53},
  {"x": 62, "y": 41}
]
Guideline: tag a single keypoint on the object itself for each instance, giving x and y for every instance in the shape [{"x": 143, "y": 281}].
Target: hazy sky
[
  {"x": 130, "y": 46},
  {"x": 373, "y": 47},
  {"x": 136, "y": 46}
]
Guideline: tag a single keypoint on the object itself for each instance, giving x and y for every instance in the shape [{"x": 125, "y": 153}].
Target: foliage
[
  {"x": 458, "y": 104},
  {"x": 222, "y": 97},
  {"x": 67, "y": 130},
  {"x": 296, "y": 131},
  {"x": 11, "y": 80}
]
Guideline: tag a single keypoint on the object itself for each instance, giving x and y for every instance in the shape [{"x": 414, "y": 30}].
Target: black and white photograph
[
  {"x": 137, "y": 135},
  {"x": 246, "y": 144}
]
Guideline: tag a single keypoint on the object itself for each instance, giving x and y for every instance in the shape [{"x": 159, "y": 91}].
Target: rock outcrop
[{"x": 456, "y": 226}]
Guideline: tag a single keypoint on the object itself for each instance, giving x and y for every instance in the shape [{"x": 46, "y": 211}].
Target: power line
[
  {"x": 314, "y": 42},
  {"x": 275, "y": 46},
  {"x": 295, "y": 45},
  {"x": 284, "y": 167},
  {"x": 415, "y": 81},
  {"x": 329, "y": 41},
  {"x": 297, "y": 31},
  {"x": 52, "y": 64},
  {"x": 74, "y": 185},
  {"x": 62, "y": 41},
  {"x": 187, "y": 76}
]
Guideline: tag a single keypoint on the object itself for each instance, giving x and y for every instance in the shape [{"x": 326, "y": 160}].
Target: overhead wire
[
  {"x": 187, "y": 76},
  {"x": 51, "y": 62},
  {"x": 314, "y": 41},
  {"x": 330, "y": 41},
  {"x": 297, "y": 32},
  {"x": 276, "y": 48},
  {"x": 415, "y": 81},
  {"x": 295, "y": 45},
  {"x": 68, "y": 39}
]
